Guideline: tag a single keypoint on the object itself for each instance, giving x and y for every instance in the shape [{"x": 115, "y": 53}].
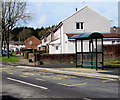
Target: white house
[
  {"x": 86, "y": 20},
  {"x": 16, "y": 45}
]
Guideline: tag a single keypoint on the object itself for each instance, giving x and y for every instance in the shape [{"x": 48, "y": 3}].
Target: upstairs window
[
  {"x": 30, "y": 42},
  {"x": 80, "y": 25}
]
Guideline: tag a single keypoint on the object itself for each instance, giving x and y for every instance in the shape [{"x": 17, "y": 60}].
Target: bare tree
[{"x": 13, "y": 12}]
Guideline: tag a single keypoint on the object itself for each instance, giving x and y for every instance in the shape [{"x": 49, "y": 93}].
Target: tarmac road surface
[{"x": 31, "y": 83}]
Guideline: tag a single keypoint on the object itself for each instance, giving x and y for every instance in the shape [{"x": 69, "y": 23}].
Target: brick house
[{"x": 32, "y": 42}]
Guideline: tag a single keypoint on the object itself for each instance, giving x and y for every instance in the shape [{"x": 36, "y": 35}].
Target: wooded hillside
[{"x": 22, "y": 33}]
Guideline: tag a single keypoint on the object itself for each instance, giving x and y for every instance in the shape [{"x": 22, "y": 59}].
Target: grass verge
[
  {"x": 112, "y": 63},
  {"x": 11, "y": 59}
]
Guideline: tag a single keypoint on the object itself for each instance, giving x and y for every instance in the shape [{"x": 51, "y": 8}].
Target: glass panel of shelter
[{"x": 90, "y": 52}]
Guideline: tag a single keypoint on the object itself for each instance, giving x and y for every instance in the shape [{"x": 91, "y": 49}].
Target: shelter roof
[
  {"x": 87, "y": 36},
  {"x": 105, "y": 35}
]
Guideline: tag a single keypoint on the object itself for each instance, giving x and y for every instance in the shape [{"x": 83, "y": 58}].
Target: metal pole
[
  {"x": 82, "y": 51},
  {"x": 90, "y": 45},
  {"x": 76, "y": 51},
  {"x": 96, "y": 55},
  {"x": 92, "y": 54},
  {"x": 102, "y": 54}
]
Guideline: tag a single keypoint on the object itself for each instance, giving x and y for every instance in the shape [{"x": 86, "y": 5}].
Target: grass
[
  {"x": 112, "y": 63},
  {"x": 11, "y": 59}
]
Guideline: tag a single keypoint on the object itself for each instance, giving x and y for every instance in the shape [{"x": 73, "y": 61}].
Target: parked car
[
  {"x": 17, "y": 52},
  {"x": 10, "y": 52},
  {"x": 4, "y": 53}
]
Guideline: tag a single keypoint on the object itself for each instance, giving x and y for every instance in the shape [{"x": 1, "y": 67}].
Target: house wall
[
  {"x": 48, "y": 38},
  {"x": 53, "y": 50},
  {"x": 33, "y": 44},
  {"x": 93, "y": 22},
  {"x": 55, "y": 36},
  {"x": 42, "y": 41},
  {"x": 107, "y": 42},
  {"x": 111, "y": 41},
  {"x": 70, "y": 47},
  {"x": 13, "y": 47}
]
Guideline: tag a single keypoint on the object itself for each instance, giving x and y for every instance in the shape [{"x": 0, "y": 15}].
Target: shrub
[{"x": 26, "y": 54}]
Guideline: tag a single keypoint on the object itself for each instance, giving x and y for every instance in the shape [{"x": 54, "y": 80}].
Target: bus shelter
[{"x": 89, "y": 50}]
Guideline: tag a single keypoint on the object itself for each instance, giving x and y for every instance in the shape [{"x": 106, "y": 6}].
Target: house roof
[
  {"x": 17, "y": 42},
  {"x": 111, "y": 35},
  {"x": 105, "y": 35},
  {"x": 52, "y": 30},
  {"x": 57, "y": 27},
  {"x": 61, "y": 23},
  {"x": 83, "y": 9},
  {"x": 44, "y": 44},
  {"x": 31, "y": 37}
]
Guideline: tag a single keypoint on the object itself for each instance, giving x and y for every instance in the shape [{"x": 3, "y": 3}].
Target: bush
[
  {"x": 23, "y": 50},
  {"x": 26, "y": 54},
  {"x": 26, "y": 51},
  {"x": 43, "y": 51}
]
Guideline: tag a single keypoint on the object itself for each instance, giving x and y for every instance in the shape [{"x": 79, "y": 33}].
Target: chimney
[{"x": 76, "y": 9}]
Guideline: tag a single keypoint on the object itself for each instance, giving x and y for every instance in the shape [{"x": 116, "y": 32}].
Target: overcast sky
[{"x": 46, "y": 13}]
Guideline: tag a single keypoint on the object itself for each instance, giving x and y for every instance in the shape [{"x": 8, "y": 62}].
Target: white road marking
[
  {"x": 110, "y": 80},
  {"x": 87, "y": 99},
  {"x": 27, "y": 83}
]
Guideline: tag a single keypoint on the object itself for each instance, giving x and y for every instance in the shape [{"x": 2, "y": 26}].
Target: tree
[
  {"x": 13, "y": 12},
  {"x": 24, "y": 34}
]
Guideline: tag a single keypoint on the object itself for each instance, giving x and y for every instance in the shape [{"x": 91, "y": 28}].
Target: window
[
  {"x": 56, "y": 47},
  {"x": 118, "y": 41},
  {"x": 113, "y": 42},
  {"x": 30, "y": 42},
  {"x": 80, "y": 25}
]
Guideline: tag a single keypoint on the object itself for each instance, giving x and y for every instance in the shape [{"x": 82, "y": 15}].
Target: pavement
[{"x": 112, "y": 73}]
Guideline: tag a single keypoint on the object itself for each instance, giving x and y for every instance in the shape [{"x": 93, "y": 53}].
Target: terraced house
[{"x": 86, "y": 20}]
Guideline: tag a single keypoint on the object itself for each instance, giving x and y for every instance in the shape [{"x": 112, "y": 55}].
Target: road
[{"x": 39, "y": 83}]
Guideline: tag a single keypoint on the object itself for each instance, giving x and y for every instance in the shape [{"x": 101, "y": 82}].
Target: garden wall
[
  {"x": 56, "y": 58},
  {"x": 111, "y": 52}
]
